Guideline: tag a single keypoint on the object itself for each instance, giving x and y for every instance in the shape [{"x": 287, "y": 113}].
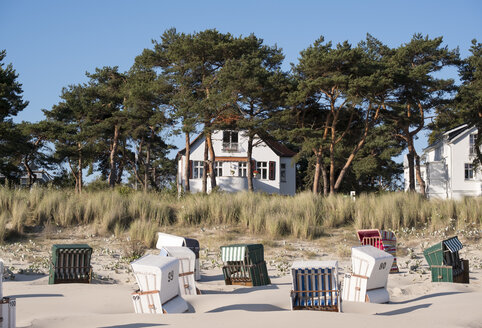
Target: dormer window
[{"x": 230, "y": 141}]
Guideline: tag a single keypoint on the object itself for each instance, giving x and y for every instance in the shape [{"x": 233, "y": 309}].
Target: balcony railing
[{"x": 230, "y": 146}]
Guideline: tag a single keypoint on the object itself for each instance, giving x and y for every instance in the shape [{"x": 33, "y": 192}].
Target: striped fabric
[
  {"x": 233, "y": 253},
  {"x": 314, "y": 287},
  {"x": 381, "y": 239},
  {"x": 453, "y": 244}
]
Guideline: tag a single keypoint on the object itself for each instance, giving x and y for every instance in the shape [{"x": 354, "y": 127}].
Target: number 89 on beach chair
[{"x": 315, "y": 286}]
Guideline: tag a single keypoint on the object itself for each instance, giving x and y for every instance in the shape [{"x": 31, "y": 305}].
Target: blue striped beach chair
[{"x": 315, "y": 286}]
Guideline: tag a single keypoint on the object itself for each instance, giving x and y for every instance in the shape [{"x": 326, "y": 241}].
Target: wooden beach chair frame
[
  {"x": 445, "y": 262},
  {"x": 70, "y": 263},
  {"x": 307, "y": 294}
]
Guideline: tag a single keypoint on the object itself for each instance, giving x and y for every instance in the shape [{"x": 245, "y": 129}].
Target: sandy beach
[{"x": 106, "y": 302}]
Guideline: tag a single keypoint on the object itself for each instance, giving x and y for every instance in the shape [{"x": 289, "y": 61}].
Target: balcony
[{"x": 230, "y": 147}]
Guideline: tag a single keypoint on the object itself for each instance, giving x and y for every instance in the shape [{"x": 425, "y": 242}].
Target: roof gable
[{"x": 277, "y": 147}]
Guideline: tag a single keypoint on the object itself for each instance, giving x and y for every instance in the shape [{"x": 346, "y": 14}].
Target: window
[
  {"x": 230, "y": 141},
  {"x": 243, "y": 169},
  {"x": 282, "y": 173},
  {"x": 262, "y": 168},
  {"x": 469, "y": 171},
  {"x": 197, "y": 169},
  {"x": 473, "y": 138},
  {"x": 218, "y": 169}
]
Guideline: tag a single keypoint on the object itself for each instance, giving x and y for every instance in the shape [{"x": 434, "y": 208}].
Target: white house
[
  {"x": 446, "y": 166},
  {"x": 272, "y": 161},
  {"x": 42, "y": 178}
]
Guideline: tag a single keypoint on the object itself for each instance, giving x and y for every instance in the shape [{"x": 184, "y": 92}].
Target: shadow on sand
[
  {"x": 248, "y": 307},
  {"x": 135, "y": 325},
  {"x": 426, "y": 296},
  {"x": 36, "y": 295},
  {"x": 405, "y": 310},
  {"x": 241, "y": 290}
]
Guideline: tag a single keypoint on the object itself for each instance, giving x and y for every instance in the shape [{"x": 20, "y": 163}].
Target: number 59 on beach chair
[
  {"x": 164, "y": 239},
  {"x": 187, "y": 263},
  {"x": 315, "y": 286},
  {"x": 158, "y": 280}
]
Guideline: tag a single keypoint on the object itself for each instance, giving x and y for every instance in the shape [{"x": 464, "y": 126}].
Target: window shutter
[
  {"x": 272, "y": 170},
  {"x": 253, "y": 165},
  {"x": 190, "y": 169}
]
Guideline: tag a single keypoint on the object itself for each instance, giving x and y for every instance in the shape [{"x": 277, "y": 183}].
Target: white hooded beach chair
[
  {"x": 368, "y": 280},
  {"x": 187, "y": 263},
  {"x": 8, "y": 305},
  {"x": 158, "y": 280},
  {"x": 315, "y": 286},
  {"x": 164, "y": 239}
]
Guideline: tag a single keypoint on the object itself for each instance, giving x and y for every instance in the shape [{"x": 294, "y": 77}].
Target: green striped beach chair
[
  {"x": 445, "y": 263},
  {"x": 315, "y": 286},
  {"x": 244, "y": 264}
]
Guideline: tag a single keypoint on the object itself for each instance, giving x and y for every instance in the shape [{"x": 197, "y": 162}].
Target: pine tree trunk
[
  {"x": 332, "y": 167},
  {"x": 249, "y": 154},
  {"x": 147, "y": 166},
  {"x": 80, "y": 169},
  {"x": 211, "y": 160},
  {"x": 316, "y": 178},
  {"x": 205, "y": 168},
  {"x": 113, "y": 152},
  {"x": 421, "y": 183},
  {"x": 325, "y": 180},
  {"x": 187, "y": 187},
  {"x": 29, "y": 171}
]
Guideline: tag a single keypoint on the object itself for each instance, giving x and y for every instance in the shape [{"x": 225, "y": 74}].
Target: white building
[
  {"x": 274, "y": 170},
  {"x": 42, "y": 178},
  {"x": 447, "y": 167}
]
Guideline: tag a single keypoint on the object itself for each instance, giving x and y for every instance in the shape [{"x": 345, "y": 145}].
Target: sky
[{"x": 52, "y": 44}]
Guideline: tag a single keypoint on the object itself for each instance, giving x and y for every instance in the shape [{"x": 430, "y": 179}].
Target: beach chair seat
[
  {"x": 368, "y": 279},
  {"x": 445, "y": 262},
  {"x": 158, "y": 280},
  {"x": 164, "y": 239},
  {"x": 381, "y": 239},
  {"x": 315, "y": 286},
  {"x": 187, "y": 262},
  {"x": 70, "y": 263},
  {"x": 243, "y": 264}
]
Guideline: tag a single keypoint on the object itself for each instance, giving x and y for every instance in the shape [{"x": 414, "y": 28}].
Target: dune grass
[{"x": 305, "y": 215}]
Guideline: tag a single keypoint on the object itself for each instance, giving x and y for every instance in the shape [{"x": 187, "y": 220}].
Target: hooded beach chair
[
  {"x": 70, "y": 264},
  {"x": 368, "y": 280},
  {"x": 244, "y": 264},
  {"x": 187, "y": 262},
  {"x": 381, "y": 239},
  {"x": 445, "y": 263},
  {"x": 315, "y": 286},
  {"x": 158, "y": 280},
  {"x": 8, "y": 305},
  {"x": 164, "y": 239}
]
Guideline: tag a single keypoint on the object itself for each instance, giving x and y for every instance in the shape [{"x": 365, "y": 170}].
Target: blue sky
[{"x": 51, "y": 44}]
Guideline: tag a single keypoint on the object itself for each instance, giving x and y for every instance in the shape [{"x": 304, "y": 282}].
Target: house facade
[
  {"x": 42, "y": 178},
  {"x": 446, "y": 166},
  {"x": 272, "y": 162}
]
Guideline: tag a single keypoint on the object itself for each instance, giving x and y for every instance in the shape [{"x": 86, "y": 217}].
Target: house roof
[
  {"x": 278, "y": 148},
  {"x": 450, "y": 135}
]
